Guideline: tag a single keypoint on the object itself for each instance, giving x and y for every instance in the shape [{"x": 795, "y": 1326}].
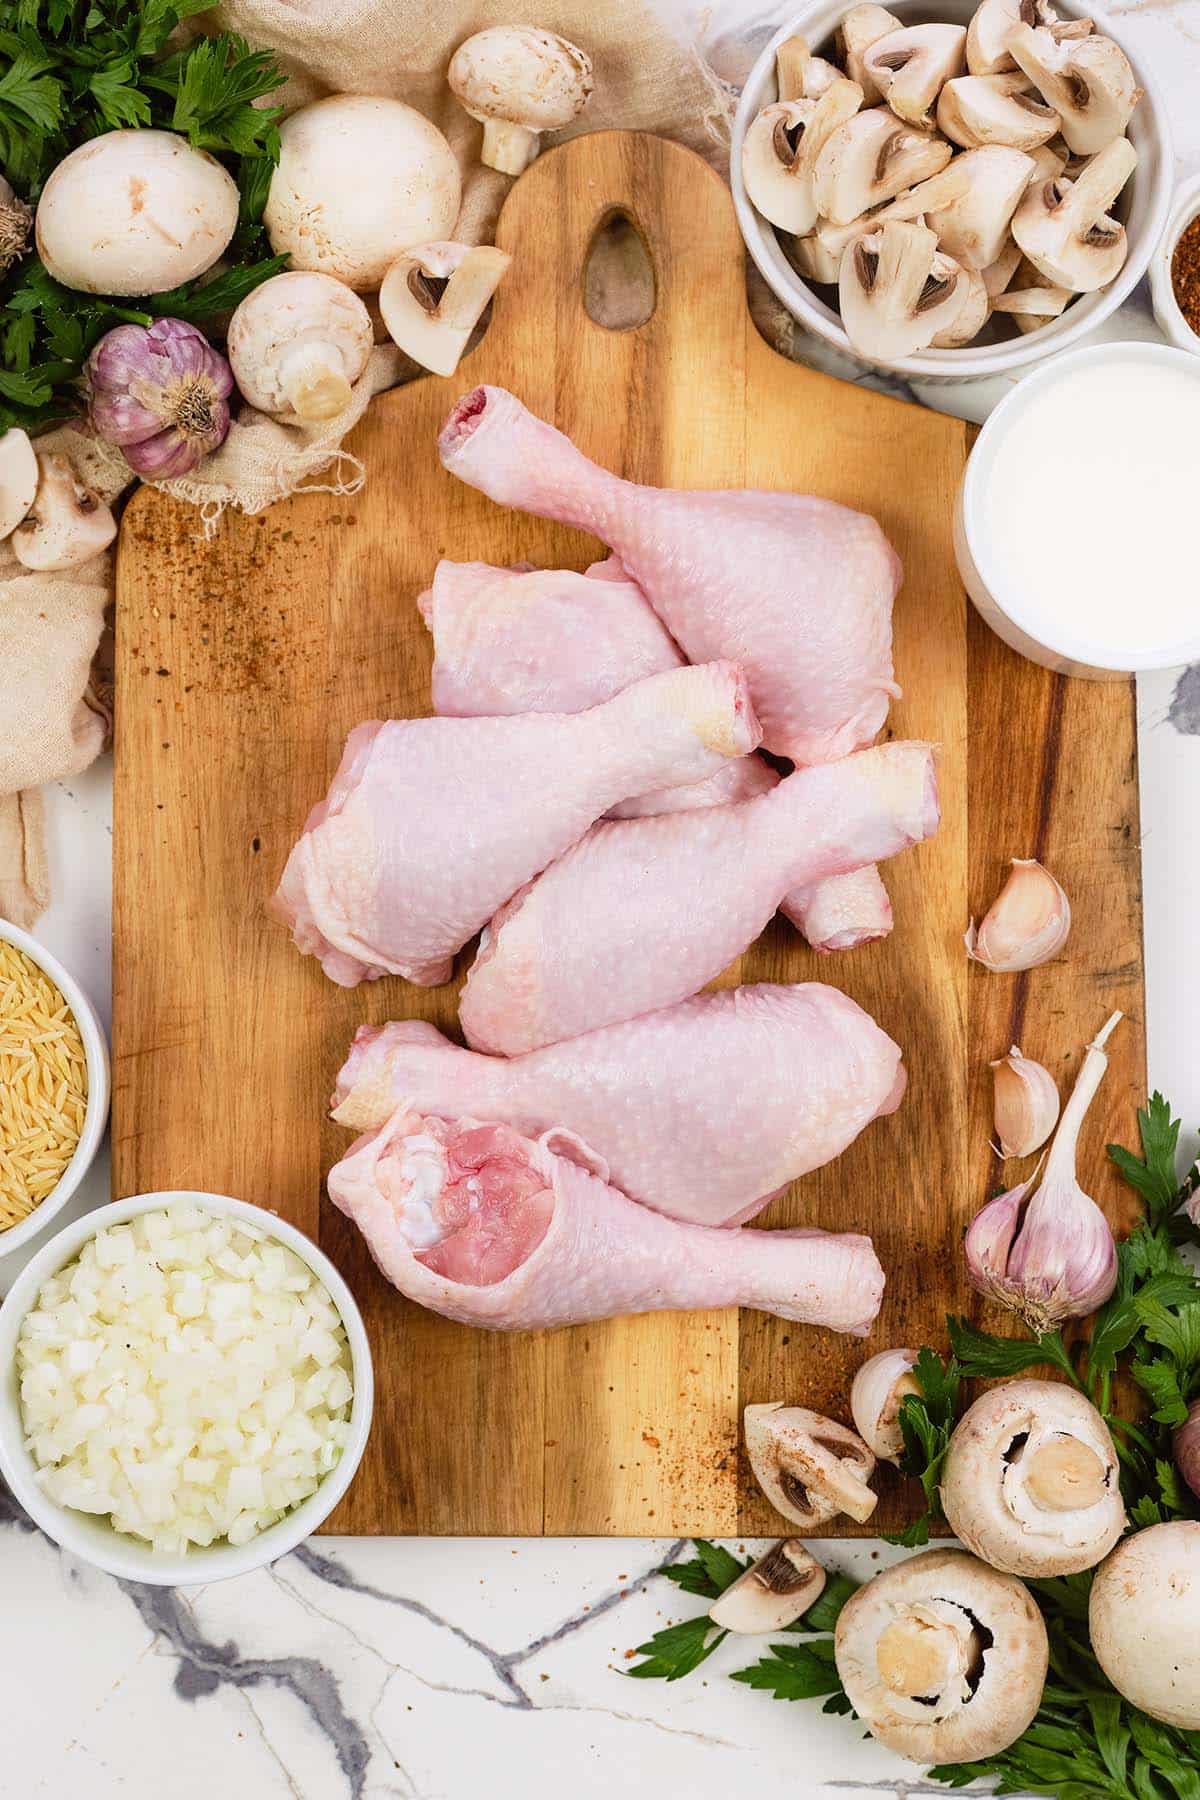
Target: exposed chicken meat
[
  {"x": 432, "y": 824},
  {"x": 644, "y": 912},
  {"x": 549, "y": 640},
  {"x": 799, "y": 589},
  {"x": 703, "y": 1110},
  {"x": 492, "y": 1228}
]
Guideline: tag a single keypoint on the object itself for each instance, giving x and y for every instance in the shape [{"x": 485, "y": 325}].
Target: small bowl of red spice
[{"x": 1175, "y": 271}]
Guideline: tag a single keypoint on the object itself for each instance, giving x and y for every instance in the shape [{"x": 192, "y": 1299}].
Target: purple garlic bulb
[{"x": 162, "y": 393}]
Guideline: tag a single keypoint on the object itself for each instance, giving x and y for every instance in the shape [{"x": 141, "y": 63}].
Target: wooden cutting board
[{"x": 245, "y": 660}]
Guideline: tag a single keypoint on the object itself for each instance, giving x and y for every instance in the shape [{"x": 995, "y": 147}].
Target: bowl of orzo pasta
[{"x": 54, "y": 1086}]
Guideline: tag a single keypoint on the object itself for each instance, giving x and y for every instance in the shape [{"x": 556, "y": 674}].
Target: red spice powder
[{"x": 1185, "y": 274}]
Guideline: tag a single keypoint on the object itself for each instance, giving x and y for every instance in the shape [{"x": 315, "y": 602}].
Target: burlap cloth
[{"x": 54, "y": 713}]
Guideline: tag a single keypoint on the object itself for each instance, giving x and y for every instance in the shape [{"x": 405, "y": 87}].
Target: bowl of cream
[{"x": 1075, "y": 518}]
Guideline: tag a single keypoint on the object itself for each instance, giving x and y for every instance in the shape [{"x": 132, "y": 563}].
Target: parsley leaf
[
  {"x": 794, "y": 1671},
  {"x": 713, "y": 1570},
  {"x": 1153, "y": 1173},
  {"x": 980, "y": 1353},
  {"x": 675, "y": 1652}
]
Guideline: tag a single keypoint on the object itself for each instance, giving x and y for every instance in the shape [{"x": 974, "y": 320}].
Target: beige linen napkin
[{"x": 645, "y": 79}]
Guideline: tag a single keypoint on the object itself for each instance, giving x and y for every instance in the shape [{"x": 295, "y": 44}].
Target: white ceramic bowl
[
  {"x": 1142, "y": 206},
  {"x": 95, "y": 1118},
  {"x": 1166, "y": 308},
  {"x": 1008, "y": 607},
  {"x": 92, "y": 1538}
]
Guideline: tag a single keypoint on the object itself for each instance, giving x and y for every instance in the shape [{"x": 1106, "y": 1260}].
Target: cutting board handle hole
[{"x": 618, "y": 274}]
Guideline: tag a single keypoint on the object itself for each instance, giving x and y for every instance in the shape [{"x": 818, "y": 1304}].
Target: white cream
[{"x": 1090, "y": 504}]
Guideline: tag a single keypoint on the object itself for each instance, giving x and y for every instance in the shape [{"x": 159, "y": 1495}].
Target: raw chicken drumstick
[
  {"x": 704, "y": 1110},
  {"x": 431, "y": 824},
  {"x": 548, "y": 640},
  {"x": 492, "y": 1228},
  {"x": 644, "y": 912},
  {"x": 798, "y": 589}
]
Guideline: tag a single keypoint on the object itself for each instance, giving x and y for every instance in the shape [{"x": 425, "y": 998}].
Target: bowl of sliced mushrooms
[{"x": 950, "y": 195}]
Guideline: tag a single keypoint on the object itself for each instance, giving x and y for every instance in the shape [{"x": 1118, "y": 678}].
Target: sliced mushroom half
[
  {"x": 1031, "y": 1481},
  {"x": 18, "y": 479},
  {"x": 974, "y": 309},
  {"x": 995, "y": 109},
  {"x": 1030, "y": 300},
  {"x": 772, "y": 1594},
  {"x": 66, "y": 525},
  {"x": 970, "y": 205},
  {"x": 911, "y": 66},
  {"x": 1064, "y": 228},
  {"x": 1088, "y": 81},
  {"x": 871, "y": 159},
  {"x": 987, "y": 34},
  {"x": 862, "y": 27},
  {"x": 799, "y": 75},
  {"x": 876, "y": 1396},
  {"x": 897, "y": 291},
  {"x": 810, "y": 1468},
  {"x": 432, "y": 298},
  {"x": 942, "y": 1658},
  {"x": 998, "y": 274},
  {"x": 781, "y": 149}
]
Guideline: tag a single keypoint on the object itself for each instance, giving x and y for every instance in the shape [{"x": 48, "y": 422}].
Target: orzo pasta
[{"x": 43, "y": 1084}]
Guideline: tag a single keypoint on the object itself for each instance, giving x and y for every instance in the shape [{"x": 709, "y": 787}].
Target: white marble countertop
[{"x": 436, "y": 1669}]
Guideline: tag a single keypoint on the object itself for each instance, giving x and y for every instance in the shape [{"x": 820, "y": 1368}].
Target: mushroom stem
[
  {"x": 507, "y": 146},
  {"x": 920, "y": 1654},
  {"x": 313, "y": 376},
  {"x": 1063, "y": 1475}
]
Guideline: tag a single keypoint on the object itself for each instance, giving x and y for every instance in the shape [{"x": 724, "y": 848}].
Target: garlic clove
[
  {"x": 1185, "y": 1446},
  {"x": 877, "y": 1393},
  {"x": 1027, "y": 923},
  {"x": 1025, "y": 1103},
  {"x": 1044, "y": 1249}
]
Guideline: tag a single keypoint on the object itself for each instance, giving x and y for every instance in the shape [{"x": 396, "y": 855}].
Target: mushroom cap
[
  {"x": 18, "y": 479},
  {"x": 910, "y": 67},
  {"x": 897, "y": 292},
  {"x": 861, "y": 27},
  {"x": 991, "y": 1690},
  {"x": 134, "y": 212},
  {"x": 518, "y": 72},
  {"x": 1089, "y": 80},
  {"x": 298, "y": 307},
  {"x": 1144, "y": 1620},
  {"x": 781, "y": 149},
  {"x": 876, "y": 1394},
  {"x": 68, "y": 524},
  {"x": 990, "y": 1486},
  {"x": 360, "y": 178},
  {"x": 810, "y": 1468},
  {"x": 1063, "y": 225}
]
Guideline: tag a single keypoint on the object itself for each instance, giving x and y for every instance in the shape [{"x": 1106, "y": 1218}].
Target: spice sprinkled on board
[{"x": 1185, "y": 274}]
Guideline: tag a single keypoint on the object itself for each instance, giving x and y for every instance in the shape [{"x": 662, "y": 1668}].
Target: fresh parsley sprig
[{"x": 71, "y": 69}]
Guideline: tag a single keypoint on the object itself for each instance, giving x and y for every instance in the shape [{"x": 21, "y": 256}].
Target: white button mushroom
[
  {"x": 988, "y": 33},
  {"x": 518, "y": 81},
  {"x": 780, "y": 151},
  {"x": 862, "y": 27},
  {"x": 360, "y": 178},
  {"x": 298, "y": 344},
  {"x": 1144, "y": 1621},
  {"x": 1063, "y": 226},
  {"x": 994, "y": 109},
  {"x": 773, "y": 1593},
  {"x": 943, "y": 1659},
  {"x": 809, "y": 1467},
  {"x": 18, "y": 479},
  {"x": 870, "y": 159},
  {"x": 970, "y": 205},
  {"x": 911, "y": 66},
  {"x": 897, "y": 291},
  {"x": 134, "y": 212},
  {"x": 66, "y": 525},
  {"x": 432, "y": 299},
  {"x": 1088, "y": 81},
  {"x": 876, "y": 1395},
  {"x": 1030, "y": 1481}
]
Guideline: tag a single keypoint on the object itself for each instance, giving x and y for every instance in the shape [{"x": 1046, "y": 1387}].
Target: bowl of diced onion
[
  {"x": 54, "y": 1086},
  {"x": 185, "y": 1388}
]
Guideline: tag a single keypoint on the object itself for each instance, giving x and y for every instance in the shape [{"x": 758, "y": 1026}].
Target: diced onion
[{"x": 185, "y": 1376}]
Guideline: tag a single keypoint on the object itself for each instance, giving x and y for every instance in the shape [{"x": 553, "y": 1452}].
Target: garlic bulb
[
  {"x": 16, "y": 223},
  {"x": 162, "y": 393},
  {"x": 1044, "y": 1249},
  {"x": 1026, "y": 924},
  {"x": 1025, "y": 1104},
  {"x": 1186, "y": 1447}
]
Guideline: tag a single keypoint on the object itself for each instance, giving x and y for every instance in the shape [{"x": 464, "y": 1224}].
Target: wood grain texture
[{"x": 244, "y": 661}]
